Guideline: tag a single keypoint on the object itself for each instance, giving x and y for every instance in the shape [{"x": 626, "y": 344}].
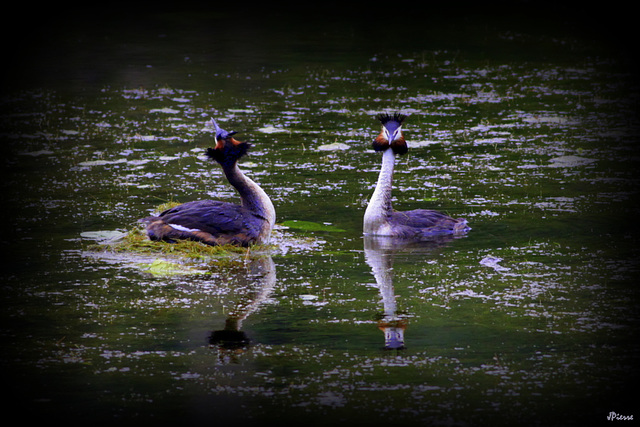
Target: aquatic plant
[{"x": 136, "y": 241}]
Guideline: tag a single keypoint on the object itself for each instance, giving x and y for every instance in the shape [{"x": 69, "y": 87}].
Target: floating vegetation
[
  {"x": 335, "y": 146},
  {"x": 312, "y": 226},
  {"x": 493, "y": 262},
  {"x": 104, "y": 236},
  {"x": 272, "y": 129},
  {"x": 161, "y": 267},
  {"x": 570, "y": 161},
  {"x": 136, "y": 241},
  {"x": 167, "y": 205}
]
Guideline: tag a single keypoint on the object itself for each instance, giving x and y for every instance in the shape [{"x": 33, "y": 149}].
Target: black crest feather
[{"x": 386, "y": 117}]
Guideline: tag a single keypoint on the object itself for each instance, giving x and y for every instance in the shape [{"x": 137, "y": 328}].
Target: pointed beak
[{"x": 219, "y": 131}]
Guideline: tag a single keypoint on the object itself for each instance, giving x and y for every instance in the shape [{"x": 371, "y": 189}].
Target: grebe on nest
[
  {"x": 219, "y": 223},
  {"x": 380, "y": 219}
]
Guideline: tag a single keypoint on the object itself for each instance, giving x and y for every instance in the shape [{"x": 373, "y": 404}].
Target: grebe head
[
  {"x": 228, "y": 150},
  {"x": 391, "y": 134},
  {"x": 221, "y": 133}
]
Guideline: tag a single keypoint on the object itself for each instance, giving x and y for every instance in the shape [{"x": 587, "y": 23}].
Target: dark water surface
[{"x": 527, "y": 130}]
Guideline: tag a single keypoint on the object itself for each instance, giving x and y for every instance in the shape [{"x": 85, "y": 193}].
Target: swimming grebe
[
  {"x": 214, "y": 222},
  {"x": 380, "y": 218}
]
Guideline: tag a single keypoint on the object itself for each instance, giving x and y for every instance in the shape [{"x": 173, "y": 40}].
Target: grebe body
[
  {"x": 380, "y": 219},
  {"x": 215, "y": 222}
]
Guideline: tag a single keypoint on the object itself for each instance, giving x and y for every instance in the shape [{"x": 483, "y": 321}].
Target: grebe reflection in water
[{"x": 380, "y": 253}]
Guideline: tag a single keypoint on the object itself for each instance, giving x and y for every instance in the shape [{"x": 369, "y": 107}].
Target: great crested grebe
[
  {"x": 215, "y": 222},
  {"x": 380, "y": 219}
]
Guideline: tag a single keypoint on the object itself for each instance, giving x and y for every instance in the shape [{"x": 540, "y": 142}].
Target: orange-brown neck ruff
[
  {"x": 381, "y": 143},
  {"x": 399, "y": 145},
  {"x": 228, "y": 151},
  {"x": 220, "y": 143}
]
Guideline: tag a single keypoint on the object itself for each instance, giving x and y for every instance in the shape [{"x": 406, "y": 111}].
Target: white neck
[
  {"x": 252, "y": 196},
  {"x": 379, "y": 209}
]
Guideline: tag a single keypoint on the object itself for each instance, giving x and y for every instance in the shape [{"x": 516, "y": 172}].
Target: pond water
[{"x": 530, "y": 318}]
